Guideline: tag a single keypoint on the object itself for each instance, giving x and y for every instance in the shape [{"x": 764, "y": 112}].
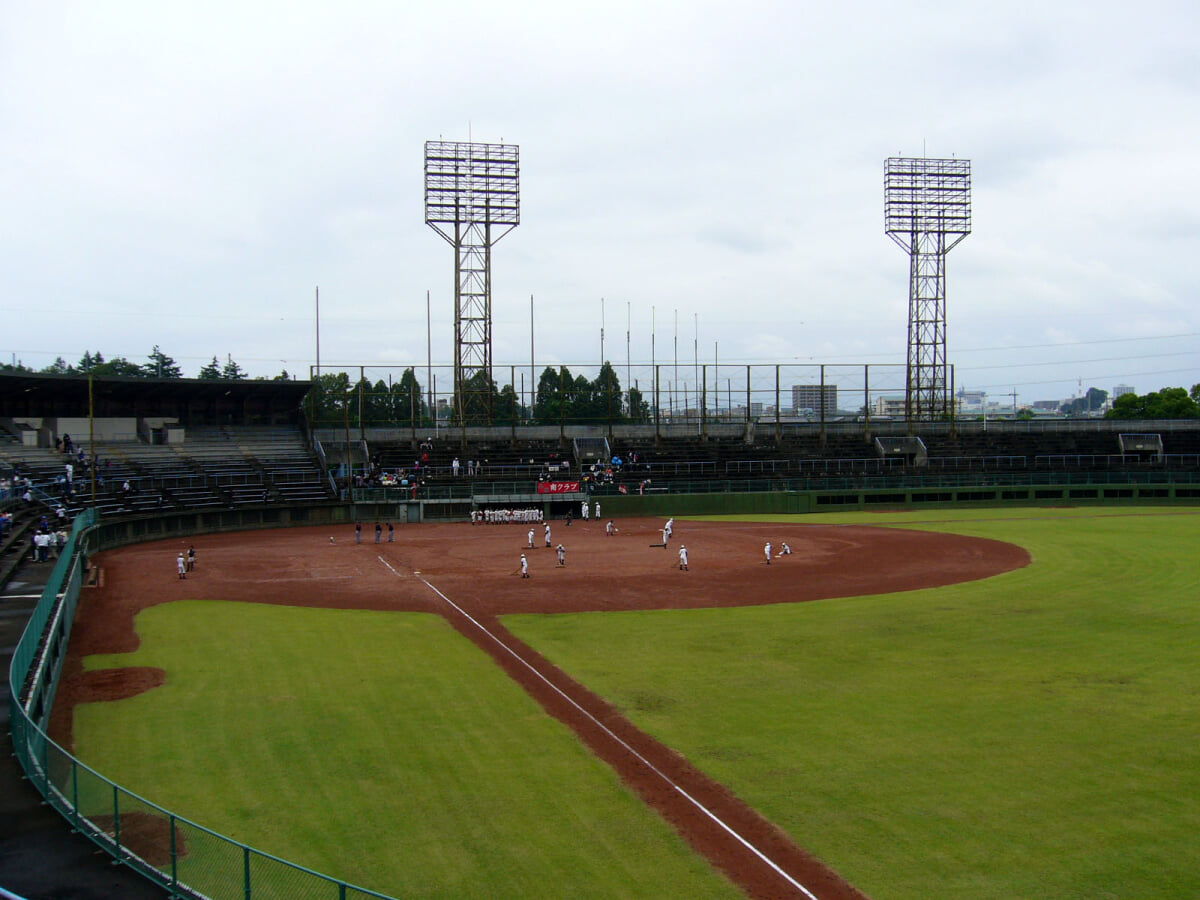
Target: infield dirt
[{"x": 477, "y": 567}]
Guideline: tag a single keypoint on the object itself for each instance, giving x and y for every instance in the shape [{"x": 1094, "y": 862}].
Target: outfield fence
[{"x": 187, "y": 859}]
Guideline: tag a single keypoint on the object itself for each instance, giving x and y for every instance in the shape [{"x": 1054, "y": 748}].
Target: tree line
[
  {"x": 157, "y": 365},
  {"x": 1169, "y": 403},
  {"x": 561, "y": 398}
]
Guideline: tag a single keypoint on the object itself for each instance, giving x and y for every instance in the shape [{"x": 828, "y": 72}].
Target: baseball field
[{"x": 984, "y": 703}]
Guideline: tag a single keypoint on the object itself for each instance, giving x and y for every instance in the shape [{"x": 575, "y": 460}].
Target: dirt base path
[{"x": 470, "y": 575}]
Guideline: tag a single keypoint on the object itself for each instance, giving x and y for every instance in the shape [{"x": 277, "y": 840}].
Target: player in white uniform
[
  {"x": 562, "y": 555},
  {"x": 785, "y": 550},
  {"x": 767, "y": 551},
  {"x": 584, "y": 510},
  {"x": 530, "y": 538},
  {"x": 683, "y": 557},
  {"x": 547, "y": 534},
  {"x": 669, "y": 528},
  {"x": 524, "y": 566},
  {"x": 597, "y": 510}
]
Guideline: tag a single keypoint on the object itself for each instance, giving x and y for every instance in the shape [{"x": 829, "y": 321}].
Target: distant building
[
  {"x": 888, "y": 406},
  {"x": 814, "y": 397},
  {"x": 971, "y": 402},
  {"x": 1046, "y": 405},
  {"x": 1122, "y": 389}
]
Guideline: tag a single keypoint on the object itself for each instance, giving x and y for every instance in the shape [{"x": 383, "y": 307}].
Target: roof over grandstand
[{"x": 192, "y": 401}]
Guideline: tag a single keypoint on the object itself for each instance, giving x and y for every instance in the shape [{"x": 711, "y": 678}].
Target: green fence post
[
  {"x": 75, "y": 791},
  {"x": 174, "y": 853},
  {"x": 117, "y": 816}
]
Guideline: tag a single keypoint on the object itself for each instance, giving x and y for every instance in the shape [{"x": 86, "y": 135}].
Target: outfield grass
[
  {"x": 402, "y": 759},
  {"x": 1033, "y": 735}
]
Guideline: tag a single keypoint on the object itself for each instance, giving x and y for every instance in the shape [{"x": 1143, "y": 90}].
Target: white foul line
[
  {"x": 653, "y": 768},
  {"x": 389, "y": 565}
]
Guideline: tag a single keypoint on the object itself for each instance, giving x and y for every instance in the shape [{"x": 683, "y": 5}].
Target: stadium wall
[{"x": 932, "y": 496}]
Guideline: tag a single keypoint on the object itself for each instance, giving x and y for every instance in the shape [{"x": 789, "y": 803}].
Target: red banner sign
[{"x": 558, "y": 487}]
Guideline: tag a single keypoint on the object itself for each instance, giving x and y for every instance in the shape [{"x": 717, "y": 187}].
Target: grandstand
[
  {"x": 238, "y": 454},
  {"x": 158, "y": 447}
]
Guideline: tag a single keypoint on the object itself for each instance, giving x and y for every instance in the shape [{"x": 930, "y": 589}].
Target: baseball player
[
  {"x": 547, "y": 534},
  {"x": 530, "y": 538},
  {"x": 391, "y": 534},
  {"x": 358, "y": 532},
  {"x": 669, "y": 528},
  {"x": 181, "y": 565},
  {"x": 562, "y": 555},
  {"x": 524, "y": 566},
  {"x": 767, "y": 551},
  {"x": 608, "y": 528},
  {"x": 191, "y": 559},
  {"x": 785, "y": 550},
  {"x": 597, "y": 510},
  {"x": 584, "y": 510},
  {"x": 683, "y": 557},
  {"x": 378, "y": 533},
  {"x": 666, "y": 537}
]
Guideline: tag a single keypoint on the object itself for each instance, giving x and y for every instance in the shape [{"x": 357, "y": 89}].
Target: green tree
[
  {"x": 639, "y": 407},
  {"x": 161, "y": 366},
  {"x": 550, "y": 406},
  {"x": 232, "y": 371},
  {"x": 88, "y": 361},
  {"x": 408, "y": 402},
  {"x": 509, "y": 409},
  {"x": 211, "y": 372},
  {"x": 59, "y": 367},
  {"x": 478, "y": 401},
  {"x": 606, "y": 396},
  {"x": 376, "y": 405},
  {"x": 328, "y": 400},
  {"x": 1169, "y": 403},
  {"x": 119, "y": 365}
]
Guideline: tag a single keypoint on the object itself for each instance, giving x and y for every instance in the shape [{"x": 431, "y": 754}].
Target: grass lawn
[
  {"x": 379, "y": 748},
  {"x": 1033, "y": 735}
]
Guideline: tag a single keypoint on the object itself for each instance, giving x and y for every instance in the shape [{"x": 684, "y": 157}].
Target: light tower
[
  {"x": 472, "y": 199},
  {"x": 927, "y": 211}
]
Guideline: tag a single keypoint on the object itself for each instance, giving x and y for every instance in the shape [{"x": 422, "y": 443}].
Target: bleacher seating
[{"x": 222, "y": 468}]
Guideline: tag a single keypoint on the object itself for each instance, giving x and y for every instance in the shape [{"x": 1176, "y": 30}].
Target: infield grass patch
[
  {"x": 1032, "y": 735},
  {"x": 401, "y": 759}
]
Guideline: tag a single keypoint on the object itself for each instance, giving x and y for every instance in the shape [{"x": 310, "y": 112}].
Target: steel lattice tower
[
  {"x": 927, "y": 211},
  {"x": 472, "y": 199}
]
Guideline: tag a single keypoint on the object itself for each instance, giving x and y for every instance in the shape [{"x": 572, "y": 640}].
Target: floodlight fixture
[
  {"x": 927, "y": 212},
  {"x": 472, "y": 199}
]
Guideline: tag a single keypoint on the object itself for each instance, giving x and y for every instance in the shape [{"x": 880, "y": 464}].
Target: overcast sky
[{"x": 187, "y": 175}]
